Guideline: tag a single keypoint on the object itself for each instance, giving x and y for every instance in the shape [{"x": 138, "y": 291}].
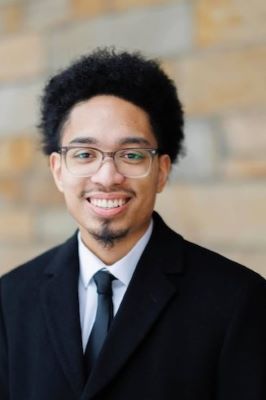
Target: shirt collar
[{"x": 123, "y": 269}]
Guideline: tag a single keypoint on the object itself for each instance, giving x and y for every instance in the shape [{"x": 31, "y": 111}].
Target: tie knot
[{"x": 103, "y": 280}]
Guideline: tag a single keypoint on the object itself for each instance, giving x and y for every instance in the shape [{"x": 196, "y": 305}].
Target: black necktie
[{"x": 104, "y": 316}]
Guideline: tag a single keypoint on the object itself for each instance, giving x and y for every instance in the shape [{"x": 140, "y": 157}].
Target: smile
[{"x": 107, "y": 203}]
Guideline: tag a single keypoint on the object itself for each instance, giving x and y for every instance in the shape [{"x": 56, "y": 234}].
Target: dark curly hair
[{"x": 126, "y": 75}]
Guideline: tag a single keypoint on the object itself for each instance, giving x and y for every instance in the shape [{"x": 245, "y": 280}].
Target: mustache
[{"x": 87, "y": 193}]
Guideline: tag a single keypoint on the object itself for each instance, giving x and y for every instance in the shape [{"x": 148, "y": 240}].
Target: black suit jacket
[{"x": 192, "y": 326}]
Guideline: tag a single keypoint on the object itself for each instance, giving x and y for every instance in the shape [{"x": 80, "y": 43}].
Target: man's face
[{"x": 109, "y": 123}]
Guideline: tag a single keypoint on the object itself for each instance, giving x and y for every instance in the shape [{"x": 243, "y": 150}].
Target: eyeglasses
[{"x": 86, "y": 161}]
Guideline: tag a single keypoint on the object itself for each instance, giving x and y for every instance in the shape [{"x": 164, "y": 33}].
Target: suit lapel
[
  {"x": 59, "y": 296},
  {"x": 148, "y": 294}
]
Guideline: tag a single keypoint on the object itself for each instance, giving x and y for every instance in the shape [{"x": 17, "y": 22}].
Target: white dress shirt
[{"x": 122, "y": 270}]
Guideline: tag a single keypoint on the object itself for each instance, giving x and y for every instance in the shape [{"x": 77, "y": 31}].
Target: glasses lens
[
  {"x": 83, "y": 161},
  {"x": 133, "y": 162}
]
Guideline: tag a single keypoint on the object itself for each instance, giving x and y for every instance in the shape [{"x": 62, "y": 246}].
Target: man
[{"x": 164, "y": 318}]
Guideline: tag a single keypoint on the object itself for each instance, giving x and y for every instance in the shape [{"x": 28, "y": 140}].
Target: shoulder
[
  {"x": 208, "y": 260},
  {"x": 209, "y": 282},
  {"x": 219, "y": 274},
  {"x": 32, "y": 270},
  {"x": 31, "y": 267},
  {"x": 202, "y": 264}
]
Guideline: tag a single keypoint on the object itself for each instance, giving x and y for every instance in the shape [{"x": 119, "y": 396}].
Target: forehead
[{"x": 108, "y": 120}]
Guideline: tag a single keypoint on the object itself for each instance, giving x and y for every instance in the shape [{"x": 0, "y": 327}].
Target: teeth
[{"x": 104, "y": 203}]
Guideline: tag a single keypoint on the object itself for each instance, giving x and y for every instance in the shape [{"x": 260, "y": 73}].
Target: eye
[
  {"x": 132, "y": 155},
  {"x": 84, "y": 154}
]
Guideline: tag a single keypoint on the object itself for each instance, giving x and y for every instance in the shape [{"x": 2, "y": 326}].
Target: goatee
[{"x": 108, "y": 237}]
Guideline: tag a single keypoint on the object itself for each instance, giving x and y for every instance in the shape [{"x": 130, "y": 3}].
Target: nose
[{"x": 107, "y": 175}]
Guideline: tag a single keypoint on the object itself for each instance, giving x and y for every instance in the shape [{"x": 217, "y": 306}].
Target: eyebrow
[
  {"x": 125, "y": 141},
  {"x": 134, "y": 140},
  {"x": 83, "y": 140}
]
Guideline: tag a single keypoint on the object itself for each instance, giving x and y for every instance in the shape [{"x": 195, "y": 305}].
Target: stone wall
[{"x": 215, "y": 50}]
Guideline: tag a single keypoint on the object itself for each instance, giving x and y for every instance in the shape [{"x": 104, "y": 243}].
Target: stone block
[
  {"x": 244, "y": 168},
  {"x": 157, "y": 31},
  {"x": 10, "y": 189},
  {"x": 16, "y": 225},
  {"x": 211, "y": 215},
  {"x": 43, "y": 192},
  {"x": 8, "y": 2},
  {"x": 21, "y": 57},
  {"x": 246, "y": 133},
  {"x": 84, "y": 8},
  {"x": 16, "y": 155},
  {"x": 222, "y": 81},
  {"x": 127, "y": 4},
  {"x": 55, "y": 224},
  {"x": 41, "y": 15},
  {"x": 19, "y": 107},
  {"x": 11, "y": 18},
  {"x": 200, "y": 161},
  {"x": 230, "y": 22}
]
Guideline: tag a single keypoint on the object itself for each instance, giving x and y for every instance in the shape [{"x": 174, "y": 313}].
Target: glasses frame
[{"x": 63, "y": 150}]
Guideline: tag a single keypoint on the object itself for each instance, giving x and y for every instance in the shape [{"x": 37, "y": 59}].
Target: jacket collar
[{"x": 59, "y": 297}]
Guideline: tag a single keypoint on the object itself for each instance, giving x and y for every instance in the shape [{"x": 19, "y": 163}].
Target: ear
[
  {"x": 164, "y": 171},
  {"x": 56, "y": 169}
]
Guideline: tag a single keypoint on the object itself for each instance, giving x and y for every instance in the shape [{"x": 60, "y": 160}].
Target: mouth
[{"x": 108, "y": 204}]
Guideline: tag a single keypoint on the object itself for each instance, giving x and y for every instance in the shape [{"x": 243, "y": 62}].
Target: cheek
[
  {"x": 71, "y": 187},
  {"x": 147, "y": 193}
]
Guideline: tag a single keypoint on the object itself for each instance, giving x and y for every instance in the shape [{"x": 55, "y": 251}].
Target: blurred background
[{"x": 215, "y": 50}]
